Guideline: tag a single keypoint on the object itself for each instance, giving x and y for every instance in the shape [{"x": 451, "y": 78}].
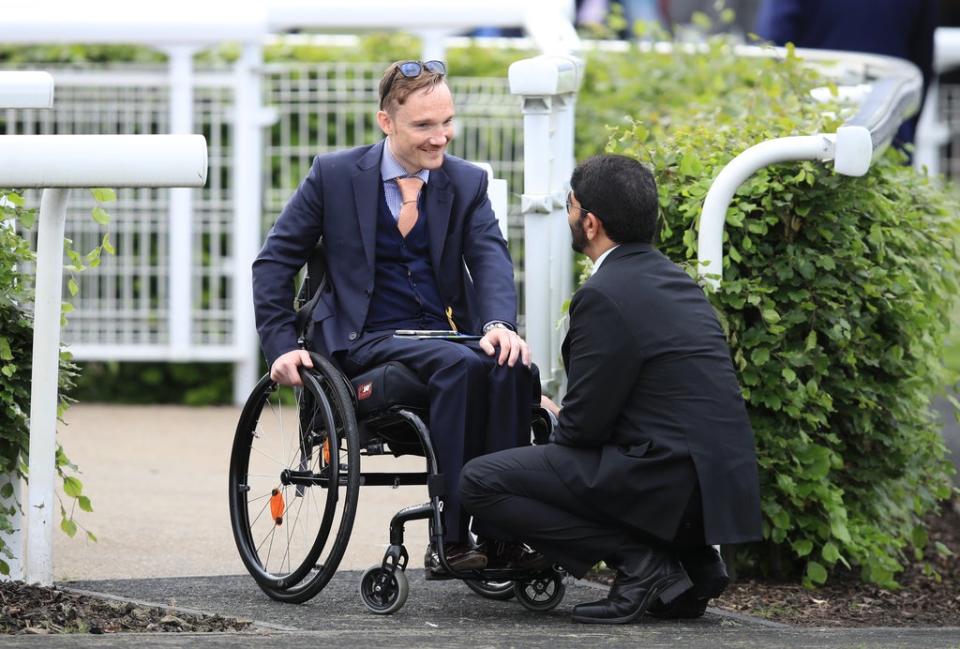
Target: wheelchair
[{"x": 295, "y": 477}]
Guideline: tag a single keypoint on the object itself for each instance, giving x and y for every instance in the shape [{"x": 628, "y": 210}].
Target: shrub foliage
[{"x": 835, "y": 299}]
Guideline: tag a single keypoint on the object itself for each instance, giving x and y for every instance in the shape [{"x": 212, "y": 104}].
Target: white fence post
[
  {"x": 249, "y": 120},
  {"x": 20, "y": 90},
  {"x": 180, "y": 262},
  {"x": 57, "y": 162},
  {"x": 547, "y": 85}
]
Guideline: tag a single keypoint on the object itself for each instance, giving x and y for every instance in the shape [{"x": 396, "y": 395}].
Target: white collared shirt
[
  {"x": 596, "y": 264},
  {"x": 390, "y": 170}
]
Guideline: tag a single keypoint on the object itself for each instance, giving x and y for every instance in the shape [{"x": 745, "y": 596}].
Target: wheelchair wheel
[
  {"x": 498, "y": 590},
  {"x": 294, "y": 482},
  {"x": 542, "y": 592},
  {"x": 383, "y": 591}
]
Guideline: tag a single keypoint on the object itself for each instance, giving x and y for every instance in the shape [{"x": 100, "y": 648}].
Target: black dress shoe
[
  {"x": 504, "y": 555},
  {"x": 459, "y": 557},
  {"x": 643, "y": 575},
  {"x": 710, "y": 579}
]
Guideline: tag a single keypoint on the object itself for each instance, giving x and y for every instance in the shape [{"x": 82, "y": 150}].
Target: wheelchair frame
[{"x": 326, "y": 420}]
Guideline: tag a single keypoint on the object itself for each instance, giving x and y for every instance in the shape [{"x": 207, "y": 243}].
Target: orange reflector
[
  {"x": 277, "y": 506},
  {"x": 326, "y": 451}
]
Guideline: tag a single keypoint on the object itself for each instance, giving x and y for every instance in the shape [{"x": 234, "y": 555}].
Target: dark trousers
[
  {"x": 476, "y": 406},
  {"x": 516, "y": 495}
]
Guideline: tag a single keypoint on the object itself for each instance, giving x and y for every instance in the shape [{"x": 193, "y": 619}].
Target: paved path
[
  {"x": 158, "y": 477},
  {"x": 447, "y": 614}
]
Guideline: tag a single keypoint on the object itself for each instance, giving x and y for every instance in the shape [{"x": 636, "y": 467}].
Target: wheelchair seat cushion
[{"x": 390, "y": 384}]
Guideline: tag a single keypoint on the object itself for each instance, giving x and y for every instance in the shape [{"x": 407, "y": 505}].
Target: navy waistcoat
[{"x": 405, "y": 294}]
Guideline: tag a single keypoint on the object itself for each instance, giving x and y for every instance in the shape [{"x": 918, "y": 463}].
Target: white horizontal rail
[
  {"x": 26, "y": 90},
  {"x": 103, "y": 161},
  {"x": 157, "y": 352}
]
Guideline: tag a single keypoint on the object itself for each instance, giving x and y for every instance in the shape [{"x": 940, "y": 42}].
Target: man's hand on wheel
[
  {"x": 512, "y": 346},
  {"x": 285, "y": 370}
]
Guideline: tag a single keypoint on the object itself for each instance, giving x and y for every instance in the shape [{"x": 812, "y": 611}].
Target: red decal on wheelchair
[{"x": 364, "y": 391}]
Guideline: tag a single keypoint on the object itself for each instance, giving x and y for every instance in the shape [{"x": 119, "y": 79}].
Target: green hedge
[{"x": 836, "y": 300}]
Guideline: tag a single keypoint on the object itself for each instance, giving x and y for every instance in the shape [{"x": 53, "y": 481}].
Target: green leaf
[
  {"x": 816, "y": 573},
  {"x": 84, "y": 503},
  {"x": 789, "y": 375},
  {"x": 91, "y": 537},
  {"x": 100, "y": 215},
  {"x": 771, "y": 316},
  {"x": 690, "y": 165},
  {"x": 103, "y": 194},
  {"x": 72, "y": 286},
  {"x": 6, "y": 491},
  {"x": 5, "y": 353},
  {"x": 830, "y": 552},
  {"x": 68, "y": 526},
  {"x": 803, "y": 547},
  {"x": 106, "y": 245},
  {"x": 72, "y": 487}
]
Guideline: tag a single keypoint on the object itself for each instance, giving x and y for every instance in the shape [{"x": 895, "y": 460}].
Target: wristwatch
[{"x": 496, "y": 324}]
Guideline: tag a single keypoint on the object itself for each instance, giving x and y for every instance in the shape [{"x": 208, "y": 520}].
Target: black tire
[
  {"x": 282, "y": 430},
  {"x": 498, "y": 590},
  {"x": 384, "y": 592},
  {"x": 542, "y": 592}
]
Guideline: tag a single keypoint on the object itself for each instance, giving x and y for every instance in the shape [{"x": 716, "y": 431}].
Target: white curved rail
[{"x": 895, "y": 96}]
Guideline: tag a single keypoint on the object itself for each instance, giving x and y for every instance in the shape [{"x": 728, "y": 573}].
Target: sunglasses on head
[
  {"x": 415, "y": 68},
  {"x": 411, "y": 70}
]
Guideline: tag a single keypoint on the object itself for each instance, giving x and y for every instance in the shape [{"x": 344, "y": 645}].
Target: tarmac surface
[{"x": 157, "y": 478}]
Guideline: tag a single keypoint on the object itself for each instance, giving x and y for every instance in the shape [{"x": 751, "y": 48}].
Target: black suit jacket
[
  {"x": 653, "y": 406},
  {"x": 338, "y": 202}
]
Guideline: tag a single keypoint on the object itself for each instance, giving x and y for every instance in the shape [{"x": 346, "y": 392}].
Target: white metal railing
[
  {"x": 58, "y": 163},
  {"x": 894, "y": 96},
  {"x": 180, "y": 29}
]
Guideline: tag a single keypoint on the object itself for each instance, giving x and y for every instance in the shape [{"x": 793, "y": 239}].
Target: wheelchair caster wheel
[
  {"x": 498, "y": 590},
  {"x": 540, "y": 593},
  {"x": 384, "y": 592}
]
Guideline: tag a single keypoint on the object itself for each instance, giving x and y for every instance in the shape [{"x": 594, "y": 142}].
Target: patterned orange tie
[{"x": 409, "y": 192}]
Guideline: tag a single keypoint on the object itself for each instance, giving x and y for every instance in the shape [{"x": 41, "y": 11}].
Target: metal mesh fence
[{"x": 319, "y": 108}]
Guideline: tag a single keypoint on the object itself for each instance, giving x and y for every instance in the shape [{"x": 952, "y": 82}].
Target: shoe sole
[
  {"x": 693, "y": 603},
  {"x": 665, "y": 589}
]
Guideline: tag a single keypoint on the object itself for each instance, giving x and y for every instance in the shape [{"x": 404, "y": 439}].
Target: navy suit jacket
[{"x": 337, "y": 203}]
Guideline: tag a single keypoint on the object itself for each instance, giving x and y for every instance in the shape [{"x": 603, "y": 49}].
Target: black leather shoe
[
  {"x": 459, "y": 557},
  {"x": 710, "y": 579},
  {"x": 503, "y": 555},
  {"x": 643, "y": 575}
]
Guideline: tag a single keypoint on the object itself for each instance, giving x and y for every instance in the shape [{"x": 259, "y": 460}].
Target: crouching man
[{"x": 653, "y": 459}]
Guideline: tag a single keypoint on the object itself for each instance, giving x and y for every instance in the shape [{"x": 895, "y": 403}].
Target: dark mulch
[
  {"x": 922, "y": 600},
  {"x": 37, "y": 610}
]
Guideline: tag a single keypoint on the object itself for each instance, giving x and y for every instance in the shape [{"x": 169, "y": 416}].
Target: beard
[{"x": 578, "y": 236}]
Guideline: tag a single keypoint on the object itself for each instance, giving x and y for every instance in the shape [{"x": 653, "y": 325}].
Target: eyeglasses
[
  {"x": 411, "y": 70},
  {"x": 570, "y": 203}
]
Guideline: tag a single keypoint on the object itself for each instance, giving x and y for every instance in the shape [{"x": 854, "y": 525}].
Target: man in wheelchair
[{"x": 411, "y": 243}]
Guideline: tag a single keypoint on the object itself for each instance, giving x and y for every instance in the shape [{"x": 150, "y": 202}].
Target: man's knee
[{"x": 473, "y": 483}]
